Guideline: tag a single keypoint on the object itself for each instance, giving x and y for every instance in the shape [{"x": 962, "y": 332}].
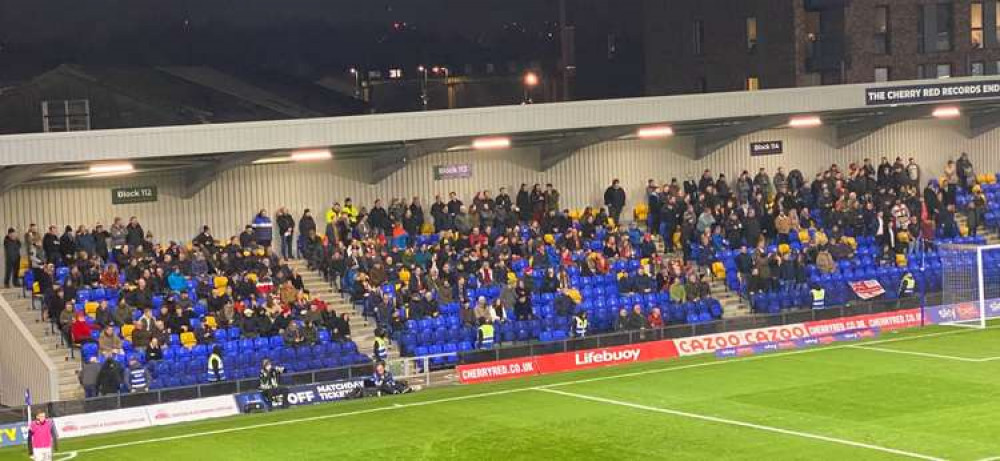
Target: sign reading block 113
[{"x": 138, "y": 194}]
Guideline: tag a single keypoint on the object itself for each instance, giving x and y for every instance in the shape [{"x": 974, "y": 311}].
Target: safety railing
[{"x": 23, "y": 362}]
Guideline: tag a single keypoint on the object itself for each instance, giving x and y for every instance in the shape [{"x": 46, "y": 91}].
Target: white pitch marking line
[
  {"x": 919, "y": 354},
  {"x": 487, "y": 394},
  {"x": 731, "y": 422},
  {"x": 67, "y": 456}
]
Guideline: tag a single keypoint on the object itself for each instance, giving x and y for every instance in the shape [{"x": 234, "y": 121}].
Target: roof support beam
[
  {"x": 707, "y": 143},
  {"x": 981, "y": 124},
  {"x": 14, "y": 176},
  {"x": 394, "y": 160},
  {"x": 849, "y": 133},
  {"x": 552, "y": 154},
  {"x": 201, "y": 176}
]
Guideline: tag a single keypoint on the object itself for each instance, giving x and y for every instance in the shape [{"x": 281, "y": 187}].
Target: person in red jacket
[
  {"x": 655, "y": 320},
  {"x": 80, "y": 330}
]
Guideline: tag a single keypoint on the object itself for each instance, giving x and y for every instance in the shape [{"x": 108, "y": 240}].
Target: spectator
[
  {"x": 286, "y": 228},
  {"x": 109, "y": 343},
  {"x": 655, "y": 320},
  {"x": 138, "y": 377},
  {"x": 614, "y": 199},
  {"x": 12, "y": 258},
  {"x": 263, "y": 230},
  {"x": 88, "y": 377},
  {"x": 636, "y": 321},
  {"x": 109, "y": 378}
]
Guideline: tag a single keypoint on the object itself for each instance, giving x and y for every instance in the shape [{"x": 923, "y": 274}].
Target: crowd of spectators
[
  {"x": 823, "y": 217},
  {"x": 403, "y": 263}
]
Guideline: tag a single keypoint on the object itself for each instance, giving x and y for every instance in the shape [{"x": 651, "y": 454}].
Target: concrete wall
[{"x": 231, "y": 201}]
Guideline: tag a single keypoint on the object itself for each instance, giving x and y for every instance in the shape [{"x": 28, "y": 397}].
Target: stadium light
[
  {"x": 314, "y": 155},
  {"x": 497, "y": 142},
  {"x": 111, "y": 168},
  {"x": 806, "y": 121},
  {"x": 531, "y": 80},
  {"x": 947, "y": 112},
  {"x": 653, "y": 132}
]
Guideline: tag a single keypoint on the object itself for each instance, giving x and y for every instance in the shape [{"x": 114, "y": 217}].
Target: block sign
[
  {"x": 459, "y": 171},
  {"x": 124, "y": 195},
  {"x": 766, "y": 148},
  {"x": 931, "y": 92}
]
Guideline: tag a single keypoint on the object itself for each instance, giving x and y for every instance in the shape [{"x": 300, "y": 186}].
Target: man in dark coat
[{"x": 614, "y": 199}]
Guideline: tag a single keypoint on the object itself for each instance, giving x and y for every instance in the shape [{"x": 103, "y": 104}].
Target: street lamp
[
  {"x": 441, "y": 70},
  {"x": 423, "y": 87},
  {"x": 530, "y": 82},
  {"x": 357, "y": 82}
]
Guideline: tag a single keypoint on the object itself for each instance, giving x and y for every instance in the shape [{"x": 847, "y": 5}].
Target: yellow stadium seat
[
  {"x": 784, "y": 248},
  {"x": 901, "y": 260},
  {"x": 427, "y": 229},
  {"x": 188, "y": 339},
  {"x": 127, "y": 332},
  {"x": 719, "y": 270},
  {"x": 221, "y": 282},
  {"x": 991, "y": 178},
  {"x": 851, "y": 242},
  {"x": 804, "y": 236},
  {"x": 404, "y": 276},
  {"x": 209, "y": 322},
  {"x": 90, "y": 308}
]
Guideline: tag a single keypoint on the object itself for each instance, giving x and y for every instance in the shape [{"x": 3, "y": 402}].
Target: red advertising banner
[
  {"x": 708, "y": 344},
  {"x": 886, "y": 321},
  {"x": 496, "y": 371},
  {"x": 565, "y": 361},
  {"x": 606, "y": 356}
]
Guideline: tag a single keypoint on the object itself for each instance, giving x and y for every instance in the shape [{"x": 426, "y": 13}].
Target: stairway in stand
[
  {"x": 992, "y": 238},
  {"x": 362, "y": 332},
  {"x": 68, "y": 368},
  {"x": 732, "y": 304}
]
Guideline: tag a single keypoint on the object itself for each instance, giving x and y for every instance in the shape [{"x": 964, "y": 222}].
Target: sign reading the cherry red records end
[
  {"x": 460, "y": 171},
  {"x": 136, "y": 194},
  {"x": 766, "y": 148},
  {"x": 932, "y": 92}
]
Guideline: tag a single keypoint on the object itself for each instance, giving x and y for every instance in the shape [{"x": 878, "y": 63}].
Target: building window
[
  {"x": 921, "y": 71},
  {"x": 944, "y": 70},
  {"x": 751, "y": 33},
  {"x": 66, "y": 115},
  {"x": 881, "y": 74},
  {"x": 612, "y": 45},
  {"x": 921, "y": 19},
  {"x": 698, "y": 40},
  {"x": 944, "y": 22},
  {"x": 753, "y": 83},
  {"x": 395, "y": 73},
  {"x": 977, "y": 68},
  {"x": 976, "y": 24},
  {"x": 996, "y": 21},
  {"x": 881, "y": 29}
]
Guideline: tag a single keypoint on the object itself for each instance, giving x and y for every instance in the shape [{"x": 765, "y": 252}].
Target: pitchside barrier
[
  {"x": 518, "y": 359},
  {"x": 784, "y": 322}
]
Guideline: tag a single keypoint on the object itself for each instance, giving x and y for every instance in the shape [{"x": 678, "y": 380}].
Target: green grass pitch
[{"x": 922, "y": 394}]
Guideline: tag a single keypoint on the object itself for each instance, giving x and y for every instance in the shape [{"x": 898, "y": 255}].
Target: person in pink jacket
[{"x": 41, "y": 433}]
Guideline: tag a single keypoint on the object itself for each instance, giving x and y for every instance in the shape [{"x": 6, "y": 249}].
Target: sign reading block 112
[{"x": 138, "y": 194}]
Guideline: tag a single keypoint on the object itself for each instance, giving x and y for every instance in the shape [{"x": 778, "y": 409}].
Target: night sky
[{"x": 305, "y": 37}]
